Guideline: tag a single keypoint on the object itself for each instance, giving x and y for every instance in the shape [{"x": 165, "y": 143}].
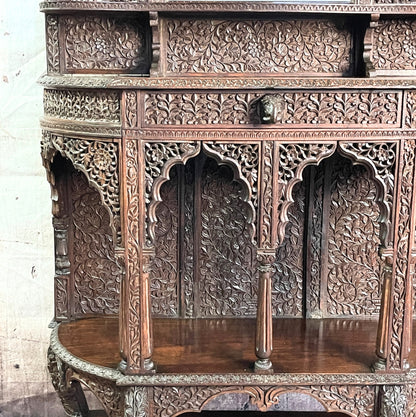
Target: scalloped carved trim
[
  {"x": 293, "y": 159},
  {"x": 159, "y": 158}
]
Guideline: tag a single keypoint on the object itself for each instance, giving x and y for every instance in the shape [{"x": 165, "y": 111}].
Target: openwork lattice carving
[
  {"x": 97, "y": 106},
  {"x": 103, "y": 43},
  {"x": 159, "y": 157},
  {"x": 293, "y": 159},
  {"x": 99, "y": 162},
  {"x": 230, "y": 46}
]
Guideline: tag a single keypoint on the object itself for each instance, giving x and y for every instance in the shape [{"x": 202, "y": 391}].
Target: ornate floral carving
[
  {"x": 230, "y": 46},
  {"x": 244, "y": 158},
  {"x": 61, "y": 298},
  {"x": 133, "y": 261},
  {"x": 52, "y": 44},
  {"x": 293, "y": 158},
  {"x": 393, "y": 401},
  {"x": 287, "y": 282},
  {"x": 136, "y": 402},
  {"x": 354, "y": 267},
  {"x": 131, "y": 109},
  {"x": 164, "y": 277},
  {"x": 96, "y": 273},
  {"x": 99, "y": 161},
  {"x": 302, "y": 108},
  {"x": 410, "y": 115},
  {"x": 394, "y": 45},
  {"x": 96, "y": 106},
  {"x": 104, "y": 43},
  {"x": 266, "y": 213},
  {"x": 397, "y": 355},
  {"x": 381, "y": 159},
  {"x": 170, "y": 401},
  {"x": 159, "y": 157},
  {"x": 228, "y": 284}
]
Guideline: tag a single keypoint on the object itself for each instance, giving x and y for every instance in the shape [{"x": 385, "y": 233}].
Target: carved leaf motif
[
  {"x": 394, "y": 401},
  {"x": 265, "y": 239},
  {"x": 394, "y": 45},
  {"x": 104, "y": 43},
  {"x": 133, "y": 253},
  {"x": 96, "y": 274},
  {"x": 52, "y": 44},
  {"x": 136, "y": 402},
  {"x": 98, "y": 106},
  {"x": 131, "y": 109},
  {"x": 61, "y": 298},
  {"x": 285, "y": 46}
]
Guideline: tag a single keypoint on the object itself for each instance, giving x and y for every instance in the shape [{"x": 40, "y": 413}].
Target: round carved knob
[{"x": 272, "y": 108}]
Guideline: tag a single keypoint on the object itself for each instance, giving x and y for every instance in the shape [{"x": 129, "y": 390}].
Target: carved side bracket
[
  {"x": 154, "y": 25},
  {"x": 293, "y": 159},
  {"x": 98, "y": 160}
]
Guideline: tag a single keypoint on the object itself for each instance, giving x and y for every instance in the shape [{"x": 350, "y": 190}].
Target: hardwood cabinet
[{"x": 233, "y": 205}]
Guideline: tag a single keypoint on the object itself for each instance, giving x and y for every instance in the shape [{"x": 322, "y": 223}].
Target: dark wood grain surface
[{"x": 227, "y": 345}]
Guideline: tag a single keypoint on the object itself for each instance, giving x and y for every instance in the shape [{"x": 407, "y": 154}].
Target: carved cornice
[
  {"x": 255, "y": 6},
  {"x": 98, "y": 160},
  {"x": 110, "y": 81}
]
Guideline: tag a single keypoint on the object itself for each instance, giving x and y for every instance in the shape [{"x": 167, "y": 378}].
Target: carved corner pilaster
[
  {"x": 136, "y": 402},
  {"x": 393, "y": 401},
  {"x": 52, "y": 44},
  {"x": 369, "y": 45}
]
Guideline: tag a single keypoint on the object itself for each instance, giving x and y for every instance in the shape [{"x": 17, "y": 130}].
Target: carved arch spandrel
[
  {"x": 293, "y": 159},
  {"x": 98, "y": 160},
  {"x": 380, "y": 159},
  {"x": 161, "y": 156}
]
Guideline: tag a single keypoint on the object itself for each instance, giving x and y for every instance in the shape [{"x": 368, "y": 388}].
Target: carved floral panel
[
  {"x": 105, "y": 44},
  {"x": 308, "y": 109},
  {"x": 94, "y": 106},
  {"x": 394, "y": 45},
  {"x": 97, "y": 276},
  {"x": 354, "y": 267},
  {"x": 274, "y": 47}
]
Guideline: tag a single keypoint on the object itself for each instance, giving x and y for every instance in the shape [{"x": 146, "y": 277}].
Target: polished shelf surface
[{"x": 326, "y": 346}]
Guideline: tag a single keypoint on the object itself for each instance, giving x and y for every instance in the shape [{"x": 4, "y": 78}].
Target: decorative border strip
[
  {"x": 232, "y": 6},
  {"x": 107, "y": 81},
  {"x": 87, "y": 129}
]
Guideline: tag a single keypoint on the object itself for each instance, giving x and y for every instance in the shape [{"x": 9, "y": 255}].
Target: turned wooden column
[{"x": 264, "y": 324}]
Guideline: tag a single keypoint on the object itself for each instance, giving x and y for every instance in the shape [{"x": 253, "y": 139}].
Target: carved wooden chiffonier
[{"x": 233, "y": 205}]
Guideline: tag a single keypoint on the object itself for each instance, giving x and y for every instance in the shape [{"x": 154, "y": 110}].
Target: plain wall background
[{"x": 26, "y": 238}]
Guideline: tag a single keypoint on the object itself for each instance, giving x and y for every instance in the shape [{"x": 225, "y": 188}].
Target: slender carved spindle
[{"x": 264, "y": 330}]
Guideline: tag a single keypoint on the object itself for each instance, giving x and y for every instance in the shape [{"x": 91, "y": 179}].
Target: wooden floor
[{"x": 227, "y": 345}]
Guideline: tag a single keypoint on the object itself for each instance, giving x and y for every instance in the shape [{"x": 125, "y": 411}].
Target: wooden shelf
[{"x": 227, "y": 345}]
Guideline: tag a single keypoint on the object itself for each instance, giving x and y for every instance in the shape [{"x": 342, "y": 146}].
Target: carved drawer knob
[{"x": 272, "y": 108}]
